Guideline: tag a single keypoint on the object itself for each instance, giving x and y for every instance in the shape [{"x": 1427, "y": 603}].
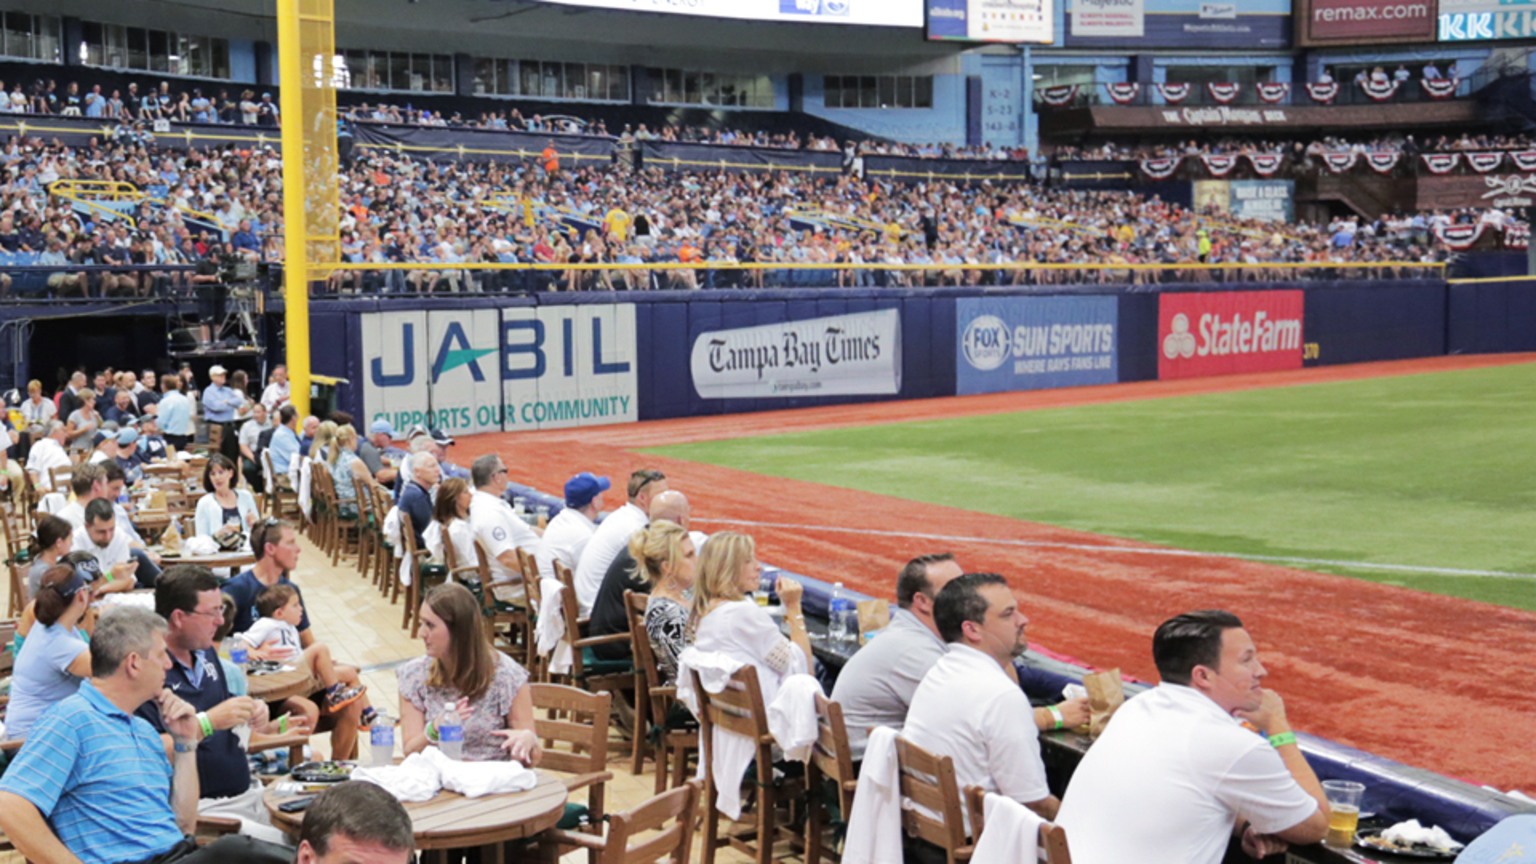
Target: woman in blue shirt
[{"x": 54, "y": 659}]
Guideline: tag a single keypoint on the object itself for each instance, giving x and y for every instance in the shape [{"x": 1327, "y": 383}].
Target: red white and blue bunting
[
  {"x": 1323, "y": 93},
  {"x": 1459, "y": 237},
  {"x": 1440, "y": 88},
  {"x": 1383, "y": 163},
  {"x": 1265, "y": 164},
  {"x": 1525, "y": 160},
  {"x": 1173, "y": 94},
  {"x": 1517, "y": 236},
  {"x": 1223, "y": 93},
  {"x": 1274, "y": 92},
  {"x": 1441, "y": 163},
  {"x": 1123, "y": 94},
  {"x": 1058, "y": 96},
  {"x": 1380, "y": 91},
  {"x": 1482, "y": 163},
  {"x": 1219, "y": 166},
  {"x": 1340, "y": 162},
  {"x": 1161, "y": 169}
]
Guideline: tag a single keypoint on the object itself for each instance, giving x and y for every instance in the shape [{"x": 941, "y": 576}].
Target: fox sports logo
[{"x": 987, "y": 342}]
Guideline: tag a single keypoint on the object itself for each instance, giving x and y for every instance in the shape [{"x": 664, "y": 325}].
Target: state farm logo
[
  {"x": 987, "y": 342},
  {"x": 1218, "y": 336},
  {"x": 1229, "y": 332},
  {"x": 1179, "y": 343}
]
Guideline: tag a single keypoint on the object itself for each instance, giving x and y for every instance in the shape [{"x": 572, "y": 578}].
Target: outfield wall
[{"x": 492, "y": 363}]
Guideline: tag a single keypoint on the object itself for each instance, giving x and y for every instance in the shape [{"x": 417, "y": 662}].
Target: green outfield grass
[{"x": 1433, "y": 471}]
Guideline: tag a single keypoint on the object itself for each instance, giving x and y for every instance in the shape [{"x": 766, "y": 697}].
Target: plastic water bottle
[
  {"x": 450, "y": 733},
  {"x": 381, "y": 739},
  {"x": 237, "y": 653},
  {"x": 839, "y": 612}
]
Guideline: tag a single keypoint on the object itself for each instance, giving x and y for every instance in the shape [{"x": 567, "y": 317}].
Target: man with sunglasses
[
  {"x": 613, "y": 535},
  {"x": 500, "y": 530}
]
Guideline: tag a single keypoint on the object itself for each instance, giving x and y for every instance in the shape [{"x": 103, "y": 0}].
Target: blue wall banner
[
  {"x": 1273, "y": 200},
  {"x": 445, "y": 144},
  {"x": 1034, "y": 343},
  {"x": 1178, "y": 24},
  {"x": 911, "y": 169}
]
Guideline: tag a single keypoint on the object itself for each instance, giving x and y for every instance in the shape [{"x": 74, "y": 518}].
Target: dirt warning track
[{"x": 1431, "y": 681}]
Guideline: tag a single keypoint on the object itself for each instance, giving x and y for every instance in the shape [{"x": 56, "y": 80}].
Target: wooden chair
[
  {"x": 929, "y": 782},
  {"x": 1053, "y": 838},
  {"x": 831, "y": 764},
  {"x": 386, "y": 563},
  {"x": 654, "y": 699},
  {"x": 283, "y": 500},
  {"x": 739, "y": 708},
  {"x": 367, "y": 525},
  {"x": 587, "y": 671},
  {"x": 60, "y": 477},
  {"x": 650, "y": 821},
  {"x": 576, "y": 744},
  {"x": 345, "y": 526},
  {"x": 533, "y": 592},
  {"x": 414, "y": 591},
  {"x": 322, "y": 507}
]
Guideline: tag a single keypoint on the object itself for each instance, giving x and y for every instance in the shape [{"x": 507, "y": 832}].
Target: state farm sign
[
  {"x": 1228, "y": 332},
  {"x": 1364, "y": 21}
]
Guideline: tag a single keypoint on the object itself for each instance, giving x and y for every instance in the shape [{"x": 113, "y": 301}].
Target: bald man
[{"x": 608, "y": 615}]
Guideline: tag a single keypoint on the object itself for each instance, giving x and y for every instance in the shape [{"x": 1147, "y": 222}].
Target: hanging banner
[
  {"x": 1058, "y": 96},
  {"x": 1219, "y": 166},
  {"x": 1379, "y": 91},
  {"x": 1107, "y": 19},
  {"x": 1123, "y": 94},
  {"x": 1441, "y": 163},
  {"x": 1270, "y": 200},
  {"x": 1223, "y": 93},
  {"x": 1265, "y": 164},
  {"x": 465, "y": 144},
  {"x": 837, "y": 355},
  {"x": 1194, "y": 24},
  {"x": 1173, "y": 94},
  {"x": 1525, "y": 160},
  {"x": 1459, "y": 237},
  {"x": 1482, "y": 163},
  {"x": 1273, "y": 92},
  {"x": 564, "y": 366},
  {"x": 1440, "y": 88},
  {"x": 1228, "y": 332},
  {"x": 1161, "y": 169},
  {"x": 1034, "y": 343},
  {"x": 1339, "y": 163},
  {"x": 1383, "y": 163},
  {"x": 1323, "y": 93}
]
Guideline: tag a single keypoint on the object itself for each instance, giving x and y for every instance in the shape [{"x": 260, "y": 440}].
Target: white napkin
[
  {"x": 415, "y": 779},
  {"x": 1412, "y": 832},
  {"x": 792, "y": 716},
  {"x": 1074, "y": 691},
  {"x": 202, "y": 544},
  {"x": 1011, "y": 832},
  {"x": 549, "y": 634},
  {"x": 477, "y": 779}
]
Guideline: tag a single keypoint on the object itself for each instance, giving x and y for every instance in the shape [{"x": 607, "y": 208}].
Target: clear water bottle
[
  {"x": 450, "y": 732},
  {"x": 840, "y": 612},
  {"x": 381, "y": 740}
]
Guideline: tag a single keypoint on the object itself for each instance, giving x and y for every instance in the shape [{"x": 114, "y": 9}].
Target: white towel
[
  {"x": 52, "y": 503},
  {"x": 300, "y": 475},
  {"x": 478, "y": 779},
  {"x": 730, "y": 753},
  {"x": 415, "y": 779},
  {"x": 792, "y": 716},
  {"x": 1011, "y": 833},
  {"x": 874, "y": 824},
  {"x": 201, "y": 544},
  {"x": 549, "y": 634}
]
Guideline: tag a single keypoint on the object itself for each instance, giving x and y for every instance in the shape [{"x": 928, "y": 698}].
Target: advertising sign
[
  {"x": 1034, "y": 343},
  {"x": 1228, "y": 332},
  {"x": 1178, "y": 24},
  {"x": 1476, "y": 20},
  {"x": 1342, "y": 22},
  {"x": 488, "y": 370},
  {"x": 992, "y": 20},
  {"x": 869, "y": 13},
  {"x": 838, "y": 355},
  {"x": 1108, "y": 18},
  {"x": 1273, "y": 200}
]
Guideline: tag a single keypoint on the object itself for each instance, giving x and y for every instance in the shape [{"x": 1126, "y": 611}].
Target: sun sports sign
[{"x": 1228, "y": 332}]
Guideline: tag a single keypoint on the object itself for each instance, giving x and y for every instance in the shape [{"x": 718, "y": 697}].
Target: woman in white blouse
[
  {"x": 450, "y": 516},
  {"x": 729, "y": 622}
]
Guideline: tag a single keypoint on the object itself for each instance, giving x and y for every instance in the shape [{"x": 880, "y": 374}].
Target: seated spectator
[
  {"x": 84, "y": 421},
  {"x": 967, "y": 708},
  {"x": 52, "y": 540},
  {"x": 285, "y": 443},
  {"x": 281, "y": 610},
  {"x": 224, "y": 510},
  {"x": 123, "y": 408},
  {"x": 54, "y": 659},
  {"x": 450, "y": 519},
  {"x": 127, "y": 457},
  {"x": 151, "y": 445},
  {"x": 499, "y": 529},
  {"x": 47, "y": 454},
  {"x": 1176, "y": 775},
  {"x": 320, "y": 446},
  {"x": 612, "y": 537},
  {"x": 105, "y": 442},
  {"x": 625, "y": 574},
  {"x": 88, "y": 482},
  {"x": 311, "y": 428},
  {"x": 488, "y": 689},
  {"x": 275, "y": 395},
  {"x": 37, "y": 410},
  {"x": 250, "y": 446},
  {"x": 353, "y": 823},
  {"x": 567, "y": 534},
  {"x": 726, "y": 620},
  {"x": 389, "y": 458},
  {"x": 113, "y": 547},
  {"x": 93, "y": 783},
  {"x": 342, "y": 463},
  {"x": 416, "y": 497},
  {"x": 666, "y": 556}
]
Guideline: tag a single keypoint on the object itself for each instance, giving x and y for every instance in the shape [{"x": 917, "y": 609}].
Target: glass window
[
  {"x": 674, "y": 81},
  {"x": 399, "y": 71},
  {"x": 904, "y": 91},
  {"x": 575, "y": 81},
  {"x": 92, "y": 39},
  {"x": 922, "y": 91},
  {"x": 18, "y": 34},
  {"x": 506, "y": 77},
  {"x": 485, "y": 76},
  {"x": 552, "y": 75},
  {"x": 762, "y": 93},
  {"x": 531, "y": 82},
  {"x": 49, "y": 40},
  {"x": 442, "y": 73},
  {"x": 709, "y": 88},
  {"x": 138, "y": 48},
  {"x": 691, "y": 88},
  {"x": 887, "y": 91},
  {"x": 160, "y": 50},
  {"x": 218, "y": 63},
  {"x": 421, "y": 72},
  {"x": 832, "y": 87},
  {"x": 597, "y": 81},
  {"x": 618, "y": 83},
  {"x": 869, "y": 96}
]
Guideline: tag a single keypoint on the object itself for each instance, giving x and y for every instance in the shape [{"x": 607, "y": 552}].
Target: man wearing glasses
[
  {"x": 613, "y": 535},
  {"x": 496, "y": 526},
  {"x": 188, "y": 598}
]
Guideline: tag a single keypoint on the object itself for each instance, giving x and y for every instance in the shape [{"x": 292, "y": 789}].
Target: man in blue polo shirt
[
  {"x": 93, "y": 783},
  {"x": 188, "y": 598}
]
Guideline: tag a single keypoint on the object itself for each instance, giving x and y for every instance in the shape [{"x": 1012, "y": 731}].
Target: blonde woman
[
  {"x": 325, "y": 434},
  {"x": 342, "y": 461},
  {"x": 727, "y": 621},
  {"x": 665, "y": 561}
]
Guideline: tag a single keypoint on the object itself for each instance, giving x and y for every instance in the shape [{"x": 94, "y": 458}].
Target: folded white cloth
[
  {"x": 1412, "y": 832},
  {"x": 477, "y": 779},
  {"x": 1074, "y": 691},
  {"x": 52, "y": 503},
  {"x": 201, "y": 544},
  {"x": 730, "y": 753},
  {"x": 300, "y": 479},
  {"x": 415, "y": 779},
  {"x": 874, "y": 824},
  {"x": 1011, "y": 832},
  {"x": 549, "y": 634},
  {"x": 792, "y": 716}
]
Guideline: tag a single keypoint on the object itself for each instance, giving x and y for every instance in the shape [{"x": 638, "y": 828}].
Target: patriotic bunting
[
  {"x": 1323, "y": 93},
  {"x": 1058, "y": 96},
  {"x": 1525, "y": 160},
  {"x": 1379, "y": 91},
  {"x": 1440, "y": 88},
  {"x": 1517, "y": 236},
  {"x": 1173, "y": 94},
  {"x": 1123, "y": 94},
  {"x": 1482, "y": 163},
  {"x": 1265, "y": 164},
  {"x": 1338, "y": 163},
  {"x": 1459, "y": 237},
  {"x": 1274, "y": 93},
  {"x": 1219, "y": 166},
  {"x": 1441, "y": 163},
  {"x": 1224, "y": 93},
  {"x": 1382, "y": 163},
  {"x": 1161, "y": 169}
]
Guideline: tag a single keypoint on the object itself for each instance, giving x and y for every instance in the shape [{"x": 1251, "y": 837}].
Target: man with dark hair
[
  {"x": 967, "y": 708},
  {"x": 188, "y": 598},
  {"x": 93, "y": 783},
  {"x": 613, "y": 535},
  {"x": 112, "y": 545},
  {"x": 1176, "y": 775},
  {"x": 500, "y": 530},
  {"x": 356, "y": 823},
  {"x": 285, "y": 442}
]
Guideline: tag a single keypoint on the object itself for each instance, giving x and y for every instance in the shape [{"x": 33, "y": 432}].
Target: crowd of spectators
[{"x": 182, "y": 106}]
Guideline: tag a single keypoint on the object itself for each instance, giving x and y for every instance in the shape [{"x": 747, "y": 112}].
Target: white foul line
[{"x": 1131, "y": 550}]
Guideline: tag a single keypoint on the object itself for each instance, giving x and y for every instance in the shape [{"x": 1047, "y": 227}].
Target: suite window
[{"x": 877, "y": 91}]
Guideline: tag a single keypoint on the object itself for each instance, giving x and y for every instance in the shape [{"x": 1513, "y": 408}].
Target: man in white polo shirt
[
  {"x": 497, "y": 528},
  {"x": 967, "y": 708},
  {"x": 100, "y": 537},
  {"x": 1176, "y": 775},
  {"x": 47, "y": 454},
  {"x": 613, "y": 535},
  {"x": 572, "y": 528}
]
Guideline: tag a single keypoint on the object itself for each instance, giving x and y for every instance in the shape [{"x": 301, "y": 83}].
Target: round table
[
  {"x": 283, "y": 685},
  {"x": 232, "y": 560},
  {"x": 451, "y": 821}
]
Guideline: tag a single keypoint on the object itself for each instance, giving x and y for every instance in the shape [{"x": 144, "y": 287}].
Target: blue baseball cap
[
  {"x": 125, "y": 437},
  {"x": 581, "y": 489},
  {"x": 381, "y": 427}
]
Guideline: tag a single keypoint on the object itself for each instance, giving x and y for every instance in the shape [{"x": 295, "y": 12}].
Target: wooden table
[
  {"x": 451, "y": 821},
  {"x": 234, "y": 560},
  {"x": 283, "y": 685}
]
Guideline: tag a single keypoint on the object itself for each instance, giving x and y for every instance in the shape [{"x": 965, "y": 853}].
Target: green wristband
[
  {"x": 432, "y": 730},
  {"x": 203, "y": 721},
  {"x": 1061, "y": 722},
  {"x": 282, "y": 725},
  {"x": 1282, "y": 739}
]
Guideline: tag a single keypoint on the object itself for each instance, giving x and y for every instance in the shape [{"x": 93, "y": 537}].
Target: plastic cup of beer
[{"x": 1344, "y": 802}]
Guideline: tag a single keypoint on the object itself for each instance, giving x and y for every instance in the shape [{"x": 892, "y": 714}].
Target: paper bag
[
  {"x": 156, "y": 500},
  {"x": 1106, "y": 693},
  {"x": 170, "y": 541},
  {"x": 873, "y": 615}
]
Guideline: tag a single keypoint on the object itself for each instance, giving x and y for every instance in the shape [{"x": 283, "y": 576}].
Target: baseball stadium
[{"x": 875, "y": 431}]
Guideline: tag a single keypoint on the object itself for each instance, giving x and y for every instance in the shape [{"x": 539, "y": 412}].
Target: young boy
[{"x": 281, "y": 611}]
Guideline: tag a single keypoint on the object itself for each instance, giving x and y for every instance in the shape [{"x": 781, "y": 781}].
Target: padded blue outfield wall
[{"x": 496, "y": 363}]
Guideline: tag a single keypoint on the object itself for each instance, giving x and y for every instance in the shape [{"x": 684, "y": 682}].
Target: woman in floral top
[
  {"x": 664, "y": 557},
  {"x": 488, "y": 688}
]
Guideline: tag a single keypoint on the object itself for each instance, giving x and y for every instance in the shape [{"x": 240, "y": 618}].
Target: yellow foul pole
[{"x": 306, "y": 50}]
